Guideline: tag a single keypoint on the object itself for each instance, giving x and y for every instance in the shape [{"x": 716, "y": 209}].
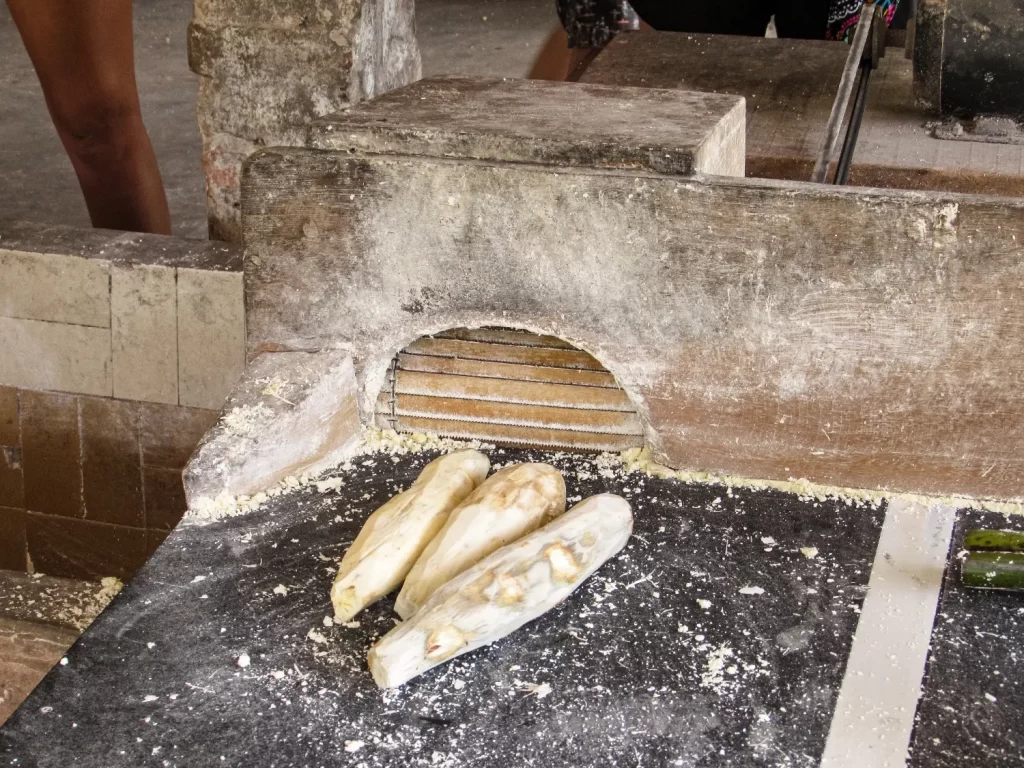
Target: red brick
[
  {"x": 10, "y": 433},
  {"x": 51, "y": 453},
  {"x": 170, "y": 433},
  {"x": 12, "y": 539},
  {"x": 82, "y": 549},
  {"x": 154, "y": 539},
  {"x": 12, "y": 481},
  {"x": 111, "y": 461},
  {"x": 165, "y": 498}
]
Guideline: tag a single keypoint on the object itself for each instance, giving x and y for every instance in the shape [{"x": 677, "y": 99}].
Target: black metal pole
[{"x": 853, "y": 131}]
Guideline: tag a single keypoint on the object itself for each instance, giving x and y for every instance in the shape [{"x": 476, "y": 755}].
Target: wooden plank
[
  {"x": 859, "y": 337},
  {"x": 505, "y": 336},
  {"x": 504, "y": 353},
  {"x": 512, "y": 371},
  {"x": 789, "y": 86},
  {"x": 503, "y": 434},
  {"x": 514, "y": 414},
  {"x": 499, "y": 390}
]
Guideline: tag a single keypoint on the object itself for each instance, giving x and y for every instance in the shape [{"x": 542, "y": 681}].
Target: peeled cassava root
[
  {"x": 505, "y": 590},
  {"x": 394, "y": 536},
  {"x": 507, "y": 506}
]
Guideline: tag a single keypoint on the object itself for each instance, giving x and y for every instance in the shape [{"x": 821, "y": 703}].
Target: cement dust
[
  {"x": 388, "y": 442},
  {"x": 640, "y": 460}
]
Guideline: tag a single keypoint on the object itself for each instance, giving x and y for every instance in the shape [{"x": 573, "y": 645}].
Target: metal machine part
[
  {"x": 992, "y": 129},
  {"x": 968, "y": 57}
]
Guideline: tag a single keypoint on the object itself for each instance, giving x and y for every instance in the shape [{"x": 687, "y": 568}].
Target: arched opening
[{"x": 508, "y": 387}]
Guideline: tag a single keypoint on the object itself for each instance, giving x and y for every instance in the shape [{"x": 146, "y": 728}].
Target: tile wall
[{"x": 116, "y": 352}]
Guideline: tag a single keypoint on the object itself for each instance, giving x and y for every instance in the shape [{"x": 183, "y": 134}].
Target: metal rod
[
  {"x": 853, "y": 131},
  {"x": 835, "y": 119}
]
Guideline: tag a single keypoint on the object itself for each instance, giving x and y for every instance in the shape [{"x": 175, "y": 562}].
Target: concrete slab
[{"x": 561, "y": 124}]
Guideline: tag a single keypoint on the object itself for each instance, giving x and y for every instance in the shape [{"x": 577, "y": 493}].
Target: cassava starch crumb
[
  {"x": 242, "y": 421},
  {"x": 639, "y": 460},
  {"x": 373, "y": 441},
  {"x": 393, "y": 443}
]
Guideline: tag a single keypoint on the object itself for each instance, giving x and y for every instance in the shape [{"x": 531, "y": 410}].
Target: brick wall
[{"x": 116, "y": 352}]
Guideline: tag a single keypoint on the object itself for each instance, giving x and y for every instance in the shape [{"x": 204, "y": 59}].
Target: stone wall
[
  {"x": 116, "y": 353},
  {"x": 267, "y": 68}
]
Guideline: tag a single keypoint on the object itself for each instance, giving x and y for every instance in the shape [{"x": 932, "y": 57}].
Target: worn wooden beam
[
  {"x": 789, "y": 87},
  {"x": 854, "y": 337}
]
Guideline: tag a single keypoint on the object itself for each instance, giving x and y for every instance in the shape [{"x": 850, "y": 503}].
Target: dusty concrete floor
[{"x": 484, "y": 37}]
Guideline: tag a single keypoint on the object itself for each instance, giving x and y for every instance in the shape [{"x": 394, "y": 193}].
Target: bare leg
[{"x": 83, "y": 52}]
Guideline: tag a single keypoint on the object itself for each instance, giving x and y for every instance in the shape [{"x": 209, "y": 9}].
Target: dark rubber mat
[
  {"x": 972, "y": 710},
  {"x": 711, "y": 640}
]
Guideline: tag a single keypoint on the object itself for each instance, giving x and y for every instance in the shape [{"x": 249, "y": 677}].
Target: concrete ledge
[
  {"x": 115, "y": 246},
  {"x": 854, "y": 337},
  {"x": 563, "y": 124},
  {"x": 139, "y": 317}
]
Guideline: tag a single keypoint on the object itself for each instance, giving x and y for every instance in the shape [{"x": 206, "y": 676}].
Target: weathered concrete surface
[
  {"x": 566, "y": 124},
  {"x": 293, "y": 413},
  {"x": 118, "y": 247},
  {"x": 267, "y": 68},
  {"x": 769, "y": 329}
]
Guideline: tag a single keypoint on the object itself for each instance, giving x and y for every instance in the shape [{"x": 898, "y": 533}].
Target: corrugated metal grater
[{"x": 507, "y": 387}]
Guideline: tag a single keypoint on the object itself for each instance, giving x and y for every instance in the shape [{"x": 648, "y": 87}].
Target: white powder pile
[
  {"x": 395, "y": 444},
  {"x": 373, "y": 441},
  {"x": 635, "y": 460},
  {"x": 640, "y": 460},
  {"x": 242, "y": 421}
]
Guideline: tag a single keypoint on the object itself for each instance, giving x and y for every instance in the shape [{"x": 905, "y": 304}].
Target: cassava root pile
[
  {"x": 507, "y": 506},
  {"x": 476, "y": 561},
  {"x": 505, "y": 590}
]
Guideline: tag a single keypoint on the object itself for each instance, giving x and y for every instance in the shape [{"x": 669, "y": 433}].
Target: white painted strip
[{"x": 877, "y": 702}]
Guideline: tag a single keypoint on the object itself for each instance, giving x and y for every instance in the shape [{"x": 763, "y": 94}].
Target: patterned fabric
[
  {"x": 592, "y": 23},
  {"x": 843, "y": 16}
]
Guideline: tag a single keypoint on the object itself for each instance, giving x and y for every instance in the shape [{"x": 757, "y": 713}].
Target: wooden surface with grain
[
  {"x": 789, "y": 86},
  {"x": 856, "y": 337}
]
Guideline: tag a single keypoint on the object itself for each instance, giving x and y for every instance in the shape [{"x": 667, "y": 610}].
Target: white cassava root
[
  {"x": 505, "y": 590},
  {"x": 505, "y": 507},
  {"x": 394, "y": 536}
]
